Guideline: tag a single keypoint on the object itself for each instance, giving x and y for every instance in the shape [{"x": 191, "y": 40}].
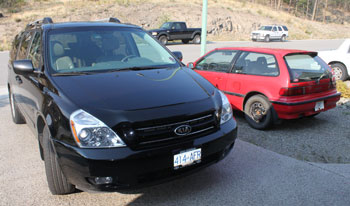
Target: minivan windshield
[
  {"x": 266, "y": 28},
  {"x": 103, "y": 49},
  {"x": 306, "y": 67}
]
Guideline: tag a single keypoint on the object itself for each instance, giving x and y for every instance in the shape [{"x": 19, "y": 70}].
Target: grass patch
[{"x": 343, "y": 89}]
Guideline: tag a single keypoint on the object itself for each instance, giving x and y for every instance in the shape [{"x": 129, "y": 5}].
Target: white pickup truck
[
  {"x": 270, "y": 32},
  {"x": 339, "y": 60}
]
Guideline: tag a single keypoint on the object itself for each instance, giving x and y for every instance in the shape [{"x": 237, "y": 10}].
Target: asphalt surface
[
  {"x": 191, "y": 52},
  {"x": 250, "y": 175}
]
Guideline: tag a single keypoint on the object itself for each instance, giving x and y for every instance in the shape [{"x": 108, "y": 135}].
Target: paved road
[
  {"x": 250, "y": 175},
  {"x": 191, "y": 52},
  {"x": 4, "y": 58}
]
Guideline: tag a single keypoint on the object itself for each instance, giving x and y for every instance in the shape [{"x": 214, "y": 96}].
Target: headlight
[
  {"x": 226, "y": 110},
  {"x": 154, "y": 33},
  {"x": 89, "y": 132}
]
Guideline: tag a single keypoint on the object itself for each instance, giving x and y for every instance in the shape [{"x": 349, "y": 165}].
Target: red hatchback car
[{"x": 270, "y": 84}]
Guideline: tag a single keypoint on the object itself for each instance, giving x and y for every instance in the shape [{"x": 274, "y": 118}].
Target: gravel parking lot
[{"x": 324, "y": 138}]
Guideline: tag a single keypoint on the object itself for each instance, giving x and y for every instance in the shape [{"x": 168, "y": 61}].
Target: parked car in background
[
  {"x": 270, "y": 84},
  {"x": 112, "y": 108},
  {"x": 170, "y": 31},
  {"x": 270, "y": 32},
  {"x": 339, "y": 60}
]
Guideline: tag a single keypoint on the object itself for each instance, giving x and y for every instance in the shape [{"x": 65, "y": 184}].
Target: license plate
[
  {"x": 187, "y": 157},
  {"x": 319, "y": 106}
]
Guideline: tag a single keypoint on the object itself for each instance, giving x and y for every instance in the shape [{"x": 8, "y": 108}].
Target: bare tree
[
  {"x": 314, "y": 11},
  {"x": 325, "y": 11}
]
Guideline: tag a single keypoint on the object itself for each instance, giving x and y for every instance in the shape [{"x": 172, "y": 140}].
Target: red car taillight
[{"x": 293, "y": 91}]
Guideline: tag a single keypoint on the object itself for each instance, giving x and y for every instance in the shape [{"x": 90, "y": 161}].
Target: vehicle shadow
[
  {"x": 290, "y": 125},
  {"x": 205, "y": 183},
  {"x": 4, "y": 101}
]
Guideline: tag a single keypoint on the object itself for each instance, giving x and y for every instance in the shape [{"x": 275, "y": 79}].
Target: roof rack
[
  {"x": 110, "y": 19},
  {"x": 45, "y": 20}
]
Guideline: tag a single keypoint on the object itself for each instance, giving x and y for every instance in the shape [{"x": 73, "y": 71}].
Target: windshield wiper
[
  {"x": 136, "y": 68},
  {"x": 326, "y": 72},
  {"x": 73, "y": 73}
]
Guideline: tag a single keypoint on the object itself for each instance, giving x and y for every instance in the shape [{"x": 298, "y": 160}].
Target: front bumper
[
  {"x": 297, "y": 109},
  {"x": 257, "y": 37},
  {"x": 132, "y": 169}
]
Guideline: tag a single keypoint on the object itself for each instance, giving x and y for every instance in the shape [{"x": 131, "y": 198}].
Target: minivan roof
[{"x": 86, "y": 24}]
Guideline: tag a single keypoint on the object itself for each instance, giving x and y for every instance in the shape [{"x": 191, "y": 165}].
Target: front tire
[
  {"x": 258, "y": 112},
  {"x": 17, "y": 116},
  {"x": 283, "y": 38},
  {"x": 197, "y": 39},
  {"x": 56, "y": 180},
  {"x": 163, "y": 39},
  {"x": 267, "y": 38},
  {"x": 339, "y": 71},
  {"x": 185, "y": 41}
]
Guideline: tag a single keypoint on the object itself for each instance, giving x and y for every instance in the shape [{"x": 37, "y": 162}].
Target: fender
[{"x": 195, "y": 33}]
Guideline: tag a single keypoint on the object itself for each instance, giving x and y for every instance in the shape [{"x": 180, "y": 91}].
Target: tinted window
[
  {"x": 279, "y": 28},
  {"x": 183, "y": 26},
  {"x": 177, "y": 26},
  {"x": 306, "y": 67},
  {"x": 285, "y": 28},
  {"x": 274, "y": 29},
  {"x": 105, "y": 48},
  {"x": 35, "y": 50},
  {"x": 266, "y": 28},
  {"x": 257, "y": 64},
  {"x": 26, "y": 39},
  {"x": 219, "y": 61}
]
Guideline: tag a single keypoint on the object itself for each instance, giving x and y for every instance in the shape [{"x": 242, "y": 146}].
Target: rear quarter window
[{"x": 285, "y": 28}]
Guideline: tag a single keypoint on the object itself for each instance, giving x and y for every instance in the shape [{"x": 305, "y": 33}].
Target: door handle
[{"x": 19, "y": 80}]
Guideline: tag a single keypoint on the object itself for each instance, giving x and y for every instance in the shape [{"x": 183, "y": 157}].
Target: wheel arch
[
  {"x": 250, "y": 94},
  {"x": 195, "y": 33},
  {"x": 40, "y": 125}
]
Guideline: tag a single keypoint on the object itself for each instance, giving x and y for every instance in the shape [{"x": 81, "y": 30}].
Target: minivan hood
[{"x": 132, "y": 90}]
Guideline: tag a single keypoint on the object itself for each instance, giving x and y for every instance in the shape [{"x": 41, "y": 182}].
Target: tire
[
  {"x": 340, "y": 72},
  {"x": 253, "y": 39},
  {"x": 185, "y": 41},
  {"x": 197, "y": 39},
  {"x": 17, "y": 116},
  {"x": 56, "y": 180},
  {"x": 163, "y": 39},
  {"x": 258, "y": 112},
  {"x": 267, "y": 38},
  {"x": 283, "y": 38}
]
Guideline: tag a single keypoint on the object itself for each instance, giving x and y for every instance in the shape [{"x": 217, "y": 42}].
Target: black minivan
[{"x": 112, "y": 108}]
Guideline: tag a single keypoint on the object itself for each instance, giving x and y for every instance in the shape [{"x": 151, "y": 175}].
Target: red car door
[
  {"x": 252, "y": 72},
  {"x": 215, "y": 66}
]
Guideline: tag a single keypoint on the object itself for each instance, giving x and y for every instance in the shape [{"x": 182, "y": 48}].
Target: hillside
[{"x": 227, "y": 19}]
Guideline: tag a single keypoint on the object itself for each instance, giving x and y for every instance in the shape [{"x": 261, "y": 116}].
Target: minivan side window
[
  {"x": 26, "y": 39},
  {"x": 256, "y": 64},
  {"x": 285, "y": 28},
  {"x": 218, "y": 61},
  {"x": 15, "y": 45},
  {"x": 35, "y": 50},
  {"x": 279, "y": 28}
]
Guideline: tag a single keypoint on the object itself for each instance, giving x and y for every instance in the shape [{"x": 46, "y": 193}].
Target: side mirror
[
  {"x": 178, "y": 55},
  {"x": 190, "y": 65},
  {"x": 23, "y": 66}
]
